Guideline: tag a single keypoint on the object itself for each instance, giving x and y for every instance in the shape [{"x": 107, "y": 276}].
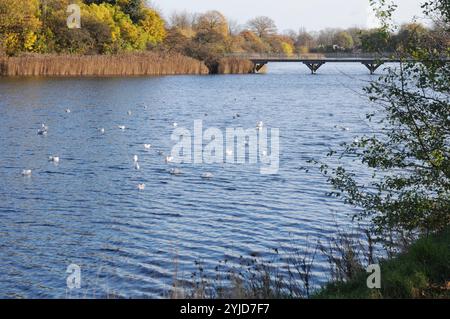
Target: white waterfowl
[
  {"x": 43, "y": 130},
  {"x": 129, "y": 113},
  {"x": 259, "y": 125},
  {"x": 169, "y": 159},
  {"x": 229, "y": 152},
  {"x": 54, "y": 159},
  {"x": 68, "y": 111},
  {"x": 147, "y": 146},
  {"x": 175, "y": 171},
  {"x": 26, "y": 172},
  {"x": 137, "y": 166},
  {"x": 141, "y": 187},
  {"x": 207, "y": 175},
  {"x": 102, "y": 130},
  {"x": 122, "y": 127},
  {"x": 135, "y": 158},
  {"x": 175, "y": 124}
]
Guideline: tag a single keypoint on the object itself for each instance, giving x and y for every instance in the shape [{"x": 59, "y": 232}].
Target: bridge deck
[
  {"x": 356, "y": 60},
  {"x": 315, "y": 62}
]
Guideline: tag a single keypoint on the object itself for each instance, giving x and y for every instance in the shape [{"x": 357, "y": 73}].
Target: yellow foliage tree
[
  {"x": 19, "y": 25},
  {"x": 153, "y": 26}
]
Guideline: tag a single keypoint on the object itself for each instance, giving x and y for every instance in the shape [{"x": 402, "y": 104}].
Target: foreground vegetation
[
  {"x": 419, "y": 270},
  {"x": 422, "y": 271}
]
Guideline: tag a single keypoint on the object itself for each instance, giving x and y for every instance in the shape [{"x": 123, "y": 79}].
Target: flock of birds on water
[{"x": 44, "y": 129}]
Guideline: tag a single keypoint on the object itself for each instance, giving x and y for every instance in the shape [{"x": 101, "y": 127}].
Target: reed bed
[
  {"x": 138, "y": 64},
  {"x": 234, "y": 65}
]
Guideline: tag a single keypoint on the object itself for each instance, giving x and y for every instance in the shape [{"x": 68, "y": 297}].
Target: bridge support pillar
[
  {"x": 314, "y": 66},
  {"x": 372, "y": 66},
  {"x": 258, "y": 66}
]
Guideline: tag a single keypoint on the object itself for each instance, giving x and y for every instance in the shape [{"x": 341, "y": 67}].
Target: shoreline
[
  {"x": 122, "y": 65},
  {"x": 136, "y": 64}
]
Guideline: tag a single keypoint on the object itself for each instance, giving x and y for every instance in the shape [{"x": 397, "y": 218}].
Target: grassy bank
[
  {"x": 422, "y": 271},
  {"x": 101, "y": 65}
]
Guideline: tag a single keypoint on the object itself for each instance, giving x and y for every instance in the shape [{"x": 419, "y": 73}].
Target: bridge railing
[{"x": 251, "y": 56}]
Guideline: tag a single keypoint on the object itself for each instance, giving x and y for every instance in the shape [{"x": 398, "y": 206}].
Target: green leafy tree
[{"x": 409, "y": 154}]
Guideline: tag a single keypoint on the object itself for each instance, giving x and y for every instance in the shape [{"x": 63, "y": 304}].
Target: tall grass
[
  {"x": 234, "y": 65},
  {"x": 137, "y": 64},
  {"x": 420, "y": 270}
]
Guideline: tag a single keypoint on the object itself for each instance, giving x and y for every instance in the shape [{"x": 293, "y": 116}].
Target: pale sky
[{"x": 294, "y": 14}]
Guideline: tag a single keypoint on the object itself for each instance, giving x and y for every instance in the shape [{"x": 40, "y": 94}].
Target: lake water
[{"x": 87, "y": 210}]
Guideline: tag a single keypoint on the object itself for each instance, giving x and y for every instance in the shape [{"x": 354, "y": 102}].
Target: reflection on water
[{"x": 87, "y": 210}]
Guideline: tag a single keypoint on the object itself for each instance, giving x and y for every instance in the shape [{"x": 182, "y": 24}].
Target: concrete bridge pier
[
  {"x": 258, "y": 66},
  {"x": 372, "y": 65},
  {"x": 314, "y": 65}
]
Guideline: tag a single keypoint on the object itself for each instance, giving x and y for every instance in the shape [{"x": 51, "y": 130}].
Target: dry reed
[
  {"x": 138, "y": 64},
  {"x": 232, "y": 65}
]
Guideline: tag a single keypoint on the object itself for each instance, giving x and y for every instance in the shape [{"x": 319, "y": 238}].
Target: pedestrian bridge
[{"x": 315, "y": 61}]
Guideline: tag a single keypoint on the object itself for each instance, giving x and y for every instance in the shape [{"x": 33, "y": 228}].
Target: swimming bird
[
  {"x": 259, "y": 125},
  {"x": 68, "y": 111},
  {"x": 169, "y": 159},
  {"x": 135, "y": 158},
  {"x": 141, "y": 187},
  {"x": 175, "y": 171},
  {"x": 26, "y": 172},
  {"x": 122, "y": 127},
  {"x": 229, "y": 152},
  {"x": 43, "y": 130},
  {"x": 147, "y": 146},
  {"x": 137, "y": 166},
  {"x": 175, "y": 124},
  {"x": 54, "y": 159},
  {"x": 207, "y": 175},
  {"x": 129, "y": 113},
  {"x": 102, "y": 130}
]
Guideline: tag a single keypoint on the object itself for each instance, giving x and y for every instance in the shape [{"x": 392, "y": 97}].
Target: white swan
[
  {"x": 122, "y": 127},
  {"x": 175, "y": 124},
  {"x": 68, "y": 111},
  {"x": 141, "y": 187},
  {"x": 147, "y": 146},
  {"x": 135, "y": 158}
]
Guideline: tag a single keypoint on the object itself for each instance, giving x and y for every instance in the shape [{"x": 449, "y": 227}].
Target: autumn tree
[
  {"x": 262, "y": 26},
  {"x": 212, "y": 22}
]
